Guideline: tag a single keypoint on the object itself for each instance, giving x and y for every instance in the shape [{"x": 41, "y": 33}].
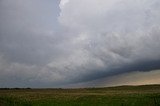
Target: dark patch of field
[{"x": 147, "y": 95}]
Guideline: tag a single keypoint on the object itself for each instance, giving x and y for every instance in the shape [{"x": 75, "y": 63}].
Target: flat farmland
[{"x": 145, "y": 95}]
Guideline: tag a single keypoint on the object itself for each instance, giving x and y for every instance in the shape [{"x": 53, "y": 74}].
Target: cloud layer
[
  {"x": 43, "y": 45},
  {"x": 112, "y": 37}
]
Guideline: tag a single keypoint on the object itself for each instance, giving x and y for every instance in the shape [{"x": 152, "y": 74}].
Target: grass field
[{"x": 147, "y": 95}]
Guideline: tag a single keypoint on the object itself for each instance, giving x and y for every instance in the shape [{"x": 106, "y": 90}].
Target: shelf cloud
[{"x": 57, "y": 43}]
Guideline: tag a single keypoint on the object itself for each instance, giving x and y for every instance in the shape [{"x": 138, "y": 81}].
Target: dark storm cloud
[
  {"x": 112, "y": 37},
  {"x": 46, "y": 44}
]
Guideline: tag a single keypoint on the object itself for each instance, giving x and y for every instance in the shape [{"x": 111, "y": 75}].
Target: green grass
[{"x": 148, "y": 95}]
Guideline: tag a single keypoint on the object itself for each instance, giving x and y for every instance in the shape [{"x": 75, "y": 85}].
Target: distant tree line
[{"x": 14, "y": 88}]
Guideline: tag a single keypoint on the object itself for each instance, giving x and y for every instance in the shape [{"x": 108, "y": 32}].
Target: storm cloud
[{"x": 56, "y": 43}]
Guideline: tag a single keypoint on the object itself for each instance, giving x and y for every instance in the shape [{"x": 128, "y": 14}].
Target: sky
[{"x": 79, "y": 43}]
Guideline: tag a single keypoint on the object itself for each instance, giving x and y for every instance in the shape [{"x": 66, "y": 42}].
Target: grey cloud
[
  {"x": 43, "y": 45},
  {"x": 131, "y": 78},
  {"x": 28, "y": 40},
  {"x": 113, "y": 36},
  {"x": 27, "y": 30}
]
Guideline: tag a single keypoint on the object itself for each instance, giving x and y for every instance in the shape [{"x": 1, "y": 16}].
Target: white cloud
[{"x": 63, "y": 3}]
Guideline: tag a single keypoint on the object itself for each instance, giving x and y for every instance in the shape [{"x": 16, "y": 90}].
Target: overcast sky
[{"x": 79, "y": 43}]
